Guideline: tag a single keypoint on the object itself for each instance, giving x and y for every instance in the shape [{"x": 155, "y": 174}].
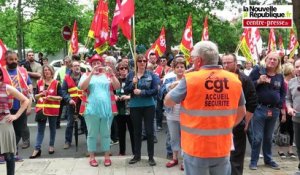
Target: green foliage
[{"x": 8, "y": 27}]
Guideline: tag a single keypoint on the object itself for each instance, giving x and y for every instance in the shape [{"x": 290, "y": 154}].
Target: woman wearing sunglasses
[
  {"x": 293, "y": 104},
  {"x": 123, "y": 117},
  {"x": 143, "y": 87}
]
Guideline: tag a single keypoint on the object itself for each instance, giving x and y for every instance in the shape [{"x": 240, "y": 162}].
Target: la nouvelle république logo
[{"x": 271, "y": 16}]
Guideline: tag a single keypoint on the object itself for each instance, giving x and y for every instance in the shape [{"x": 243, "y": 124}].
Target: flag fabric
[
  {"x": 126, "y": 12},
  {"x": 272, "y": 41},
  {"x": 280, "y": 45},
  {"x": 159, "y": 46},
  {"x": 255, "y": 44},
  {"x": 186, "y": 44},
  {"x": 2, "y": 53},
  {"x": 74, "y": 39},
  {"x": 205, "y": 36},
  {"x": 99, "y": 27},
  {"x": 293, "y": 45},
  {"x": 114, "y": 25},
  {"x": 245, "y": 44}
]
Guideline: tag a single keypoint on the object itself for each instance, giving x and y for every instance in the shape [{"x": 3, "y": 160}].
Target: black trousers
[
  {"x": 10, "y": 163},
  {"x": 237, "y": 156},
  {"x": 137, "y": 115},
  {"x": 19, "y": 124},
  {"x": 124, "y": 122},
  {"x": 114, "y": 130},
  {"x": 287, "y": 126}
]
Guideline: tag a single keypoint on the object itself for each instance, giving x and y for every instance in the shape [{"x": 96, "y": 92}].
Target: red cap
[{"x": 96, "y": 57}]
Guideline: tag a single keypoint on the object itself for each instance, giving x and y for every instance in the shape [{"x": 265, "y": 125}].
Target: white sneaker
[{"x": 261, "y": 156}]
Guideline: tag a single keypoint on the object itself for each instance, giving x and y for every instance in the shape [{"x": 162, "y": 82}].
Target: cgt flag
[
  {"x": 186, "y": 44},
  {"x": 99, "y": 27},
  {"x": 205, "y": 36},
  {"x": 293, "y": 45},
  {"x": 245, "y": 44},
  {"x": 159, "y": 47},
  {"x": 272, "y": 41},
  {"x": 74, "y": 39},
  {"x": 126, "y": 13},
  {"x": 2, "y": 54},
  {"x": 281, "y": 47},
  {"x": 115, "y": 25}
]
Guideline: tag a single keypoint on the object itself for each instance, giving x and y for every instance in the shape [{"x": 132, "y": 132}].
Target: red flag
[
  {"x": 126, "y": 12},
  {"x": 205, "y": 36},
  {"x": 95, "y": 21},
  {"x": 186, "y": 44},
  {"x": 281, "y": 47},
  {"x": 100, "y": 27},
  {"x": 159, "y": 47},
  {"x": 293, "y": 45},
  {"x": 114, "y": 25},
  {"x": 74, "y": 39},
  {"x": 245, "y": 44},
  {"x": 2, "y": 54},
  {"x": 272, "y": 41}
]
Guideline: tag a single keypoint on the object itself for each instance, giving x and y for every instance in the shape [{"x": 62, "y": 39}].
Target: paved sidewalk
[{"x": 120, "y": 166}]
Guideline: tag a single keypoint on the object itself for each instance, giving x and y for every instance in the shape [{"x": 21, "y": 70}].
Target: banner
[
  {"x": 245, "y": 44},
  {"x": 186, "y": 44},
  {"x": 115, "y": 25},
  {"x": 126, "y": 13}
]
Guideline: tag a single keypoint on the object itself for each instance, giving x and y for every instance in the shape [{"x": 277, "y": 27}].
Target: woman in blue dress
[{"x": 98, "y": 112}]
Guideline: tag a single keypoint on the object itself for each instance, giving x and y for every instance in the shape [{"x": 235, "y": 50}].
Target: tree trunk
[
  {"x": 296, "y": 16},
  {"x": 19, "y": 29}
]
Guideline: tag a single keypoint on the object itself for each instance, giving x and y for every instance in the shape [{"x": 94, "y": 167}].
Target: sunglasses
[
  {"x": 140, "y": 61},
  {"x": 123, "y": 68}
]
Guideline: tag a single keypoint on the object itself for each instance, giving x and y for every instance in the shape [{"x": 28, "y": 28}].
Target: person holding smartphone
[
  {"x": 293, "y": 104},
  {"x": 98, "y": 112}
]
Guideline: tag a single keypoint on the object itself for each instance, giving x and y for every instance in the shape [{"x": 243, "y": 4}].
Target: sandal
[
  {"x": 93, "y": 163},
  {"x": 107, "y": 162},
  {"x": 172, "y": 163},
  {"x": 282, "y": 155}
]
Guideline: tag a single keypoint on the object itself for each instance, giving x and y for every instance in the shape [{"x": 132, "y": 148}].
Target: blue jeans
[
  {"x": 174, "y": 130},
  {"x": 206, "y": 166},
  {"x": 41, "y": 131},
  {"x": 262, "y": 128}
]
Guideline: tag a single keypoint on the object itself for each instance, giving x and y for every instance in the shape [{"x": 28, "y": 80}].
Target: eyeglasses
[
  {"x": 123, "y": 68},
  {"x": 140, "y": 61}
]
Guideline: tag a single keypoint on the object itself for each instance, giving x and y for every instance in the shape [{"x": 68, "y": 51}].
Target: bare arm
[
  {"x": 168, "y": 102},
  {"x": 23, "y": 102},
  {"x": 34, "y": 75},
  {"x": 85, "y": 84},
  {"x": 115, "y": 82},
  {"x": 248, "y": 118}
]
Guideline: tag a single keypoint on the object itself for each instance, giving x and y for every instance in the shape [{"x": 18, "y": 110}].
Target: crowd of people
[{"x": 211, "y": 104}]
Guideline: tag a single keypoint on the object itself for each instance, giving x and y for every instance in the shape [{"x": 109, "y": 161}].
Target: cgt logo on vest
[{"x": 215, "y": 83}]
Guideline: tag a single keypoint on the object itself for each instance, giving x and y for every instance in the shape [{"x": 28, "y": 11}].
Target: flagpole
[
  {"x": 238, "y": 47},
  {"x": 130, "y": 47},
  {"x": 87, "y": 42},
  {"x": 134, "y": 47}
]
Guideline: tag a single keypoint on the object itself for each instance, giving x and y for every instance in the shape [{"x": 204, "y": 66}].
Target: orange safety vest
[
  {"x": 73, "y": 90},
  {"x": 208, "y": 113},
  {"x": 22, "y": 79},
  {"x": 50, "y": 107}
]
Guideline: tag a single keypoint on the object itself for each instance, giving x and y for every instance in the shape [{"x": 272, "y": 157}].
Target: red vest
[
  {"x": 73, "y": 90},
  {"x": 159, "y": 70},
  {"x": 50, "y": 107},
  {"x": 22, "y": 80}
]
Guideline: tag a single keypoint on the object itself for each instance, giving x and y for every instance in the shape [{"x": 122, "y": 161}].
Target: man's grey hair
[
  {"x": 208, "y": 51},
  {"x": 112, "y": 60}
]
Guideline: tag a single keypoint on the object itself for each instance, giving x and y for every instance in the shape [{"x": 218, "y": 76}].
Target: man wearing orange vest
[
  {"x": 72, "y": 96},
  {"x": 212, "y": 104},
  {"x": 18, "y": 78}
]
